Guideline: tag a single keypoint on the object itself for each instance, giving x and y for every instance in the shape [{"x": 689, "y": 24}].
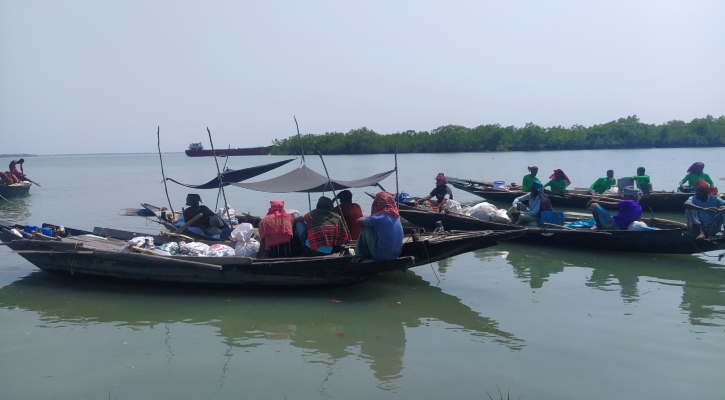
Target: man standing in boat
[
  {"x": 705, "y": 213},
  {"x": 442, "y": 193},
  {"x": 14, "y": 168}
]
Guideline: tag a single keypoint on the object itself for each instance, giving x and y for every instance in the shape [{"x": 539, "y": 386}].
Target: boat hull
[
  {"x": 250, "y": 151},
  {"x": 16, "y": 190},
  {"x": 672, "y": 238}
]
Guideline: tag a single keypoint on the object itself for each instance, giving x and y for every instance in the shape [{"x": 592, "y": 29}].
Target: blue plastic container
[
  {"x": 33, "y": 228},
  {"x": 552, "y": 217}
]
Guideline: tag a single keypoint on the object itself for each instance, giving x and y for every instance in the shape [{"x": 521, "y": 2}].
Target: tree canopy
[{"x": 623, "y": 133}]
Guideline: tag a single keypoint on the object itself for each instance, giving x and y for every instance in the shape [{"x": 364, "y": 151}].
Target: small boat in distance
[{"x": 197, "y": 150}]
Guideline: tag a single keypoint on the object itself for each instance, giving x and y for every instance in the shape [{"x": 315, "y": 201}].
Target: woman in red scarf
[
  {"x": 275, "y": 232},
  {"x": 382, "y": 234}
]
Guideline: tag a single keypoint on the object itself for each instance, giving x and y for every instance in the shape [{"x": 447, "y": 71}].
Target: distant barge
[{"x": 197, "y": 150}]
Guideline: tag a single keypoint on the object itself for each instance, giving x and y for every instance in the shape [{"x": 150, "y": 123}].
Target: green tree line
[{"x": 623, "y": 133}]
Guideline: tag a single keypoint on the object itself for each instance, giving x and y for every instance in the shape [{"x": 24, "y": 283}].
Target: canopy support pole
[
  {"x": 332, "y": 187},
  {"x": 397, "y": 189},
  {"x": 302, "y": 148},
  {"x": 158, "y": 144},
  {"x": 221, "y": 179}
]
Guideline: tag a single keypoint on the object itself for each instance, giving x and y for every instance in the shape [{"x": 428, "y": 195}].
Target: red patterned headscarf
[
  {"x": 702, "y": 184},
  {"x": 384, "y": 203},
  {"x": 553, "y": 176},
  {"x": 696, "y": 168},
  {"x": 276, "y": 226},
  {"x": 441, "y": 177}
]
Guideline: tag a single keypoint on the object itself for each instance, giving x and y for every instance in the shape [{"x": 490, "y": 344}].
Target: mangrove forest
[{"x": 623, "y": 133}]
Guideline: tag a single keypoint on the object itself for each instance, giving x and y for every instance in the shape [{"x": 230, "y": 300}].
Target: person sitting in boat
[
  {"x": 705, "y": 213},
  {"x": 520, "y": 214},
  {"x": 14, "y": 168},
  {"x": 601, "y": 185},
  {"x": 7, "y": 178},
  {"x": 629, "y": 211},
  {"x": 325, "y": 230},
  {"x": 642, "y": 181},
  {"x": 529, "y": 178},
  {"x": 350, "y": 211},
  {"x": 209, "y": 224},
  {"x": 275, "y": 232},
  {"x": 382, "y": 232},
  {"x": 558, "y": 181},
  {"x": 442, "y": 193},
  {"x": 694, "y": 174}
]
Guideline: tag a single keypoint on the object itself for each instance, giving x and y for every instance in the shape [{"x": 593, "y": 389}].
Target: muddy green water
[{"x": 534, "y": 322}]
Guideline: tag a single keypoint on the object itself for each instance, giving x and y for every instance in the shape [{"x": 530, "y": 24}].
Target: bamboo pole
[
  {"x": 221, "y": 179},
  {"x": 309, "y": 200},
  {"x": 158, "y": 143}
]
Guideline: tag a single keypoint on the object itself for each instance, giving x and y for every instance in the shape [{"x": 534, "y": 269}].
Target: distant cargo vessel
[{"x": 197, "y": 150}]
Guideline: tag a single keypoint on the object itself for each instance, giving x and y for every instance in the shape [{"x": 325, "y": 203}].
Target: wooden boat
[
  {"x": 95, "y": 255},
  {"x": 574, "y": 198},
  {"x": 15, "y": 190},
  {"x": 670, "y": 238},
  {"x": 197, "y": 150}
]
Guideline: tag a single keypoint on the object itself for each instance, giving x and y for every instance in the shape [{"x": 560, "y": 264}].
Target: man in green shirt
[
  {"x": 642, "y": 180},
  {"x": 530, "y": 178},
  {"x": 603, "y": 184}
]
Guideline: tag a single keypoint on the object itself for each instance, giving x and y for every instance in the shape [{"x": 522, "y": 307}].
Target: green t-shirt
[
  {"x": 602, "y": 184},
  {"x": 557, "y": 186},
  {"x": 691, "y": 178},
  {"x": 528, "y": 180},
  {"x": 641, "y": 180}
]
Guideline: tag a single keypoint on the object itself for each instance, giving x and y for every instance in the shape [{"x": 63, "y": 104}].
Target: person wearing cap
[
  {"x": 350, "y": 211},
  {"x": 442, "y": 193},
  {"x": 520, "y": 214},
  {"x": 705, "y": 213},
  {"x": 382, "y": 232},
  {"x": 694, "y": 174},
  {"x": 601, "y": 185},
  {"x": 558, "y": 181},
  {"x": 642, "y": 181},
  {"x": 529, "y": 178},
  {"x": 629, "y": 211},
  {"x": 14, "y": 168},
  {"x": 207, "y": 224}
]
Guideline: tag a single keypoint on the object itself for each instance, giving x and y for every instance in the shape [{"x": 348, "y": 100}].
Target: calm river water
[{"x": 534, "y": 322}]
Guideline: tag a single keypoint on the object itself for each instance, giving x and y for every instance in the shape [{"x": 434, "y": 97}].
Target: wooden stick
[
  {"x": 158, "y": 142},
  {"x": 186, "y": 225}
]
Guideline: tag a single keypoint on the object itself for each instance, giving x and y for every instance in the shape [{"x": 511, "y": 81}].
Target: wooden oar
[
  {"x": 191, "y": 221},
  {"x": 25, "y": 178}
]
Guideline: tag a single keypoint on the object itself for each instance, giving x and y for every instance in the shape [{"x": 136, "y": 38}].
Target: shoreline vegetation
[{"x": 624, "y": 133}]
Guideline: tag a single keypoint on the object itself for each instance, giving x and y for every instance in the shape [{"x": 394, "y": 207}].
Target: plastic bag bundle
[
  {"x": 452, "y": 206},
  {"x": 638, "y": 226},
  {"x": 219, "y": 250},
  {"x": 488, "y": 212},
  {"x": 227, "y": 213},
  {"x": 169, "y": 249},
  {"x": 193, "y": 248},
  {"x": 245, "y": 246},
  {"x": 142, "y": 242}
]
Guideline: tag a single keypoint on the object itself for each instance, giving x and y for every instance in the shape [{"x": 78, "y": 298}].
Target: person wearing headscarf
[
  {"x": 325, "y": 230},
  {"x": 705, "y": 212},
  {"x": 529, "y": 178},
  {"x": 601, "y": 185},
  {"x": 382, "y": 233},
  {"x": 350, "y": 211},
  {"x": 442, "y": 193},
  {"x": 520, "y": 214},
  {"x": 275, "y": 232},
  {"x": 694, "y": 173},
  {"x": 629, "y": 211},
  {"x": 209, "y": 224},
  {"x": 559, "y": 181}
]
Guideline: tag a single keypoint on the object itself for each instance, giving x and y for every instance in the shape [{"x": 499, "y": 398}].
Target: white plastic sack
[
  {"x": 488, "y": 212},
  {"x": 227, "y": 214},
  {"x": 142, "y": 242},
  {"x": 219, "y": 250},
  {"x": 248, "y": 249},
  {"x": 637, "y": 226},
  {"x": 243, "y": 232},
  {"x": 193, "y": 248},
  {"x": 452, "y": 206}
]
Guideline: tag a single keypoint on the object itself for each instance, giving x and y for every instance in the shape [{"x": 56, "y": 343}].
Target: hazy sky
[{"x": 100, "y": 76}]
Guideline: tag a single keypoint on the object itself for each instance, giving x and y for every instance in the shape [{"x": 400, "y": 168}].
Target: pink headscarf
[
  {"x": 441, "y": 177},
  {"x": 276, "y": 207},
  {"x": 568, "y": 182},
  {"x": 276, "y": 226},
  {"x": 384, "y": 203}
]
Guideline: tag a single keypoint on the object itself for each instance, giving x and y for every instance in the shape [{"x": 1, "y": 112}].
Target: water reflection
[
  {"x": 702, "y": 281},
  {"x": 15, "y": 209},
  {"x": 366, "y": 322}
]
